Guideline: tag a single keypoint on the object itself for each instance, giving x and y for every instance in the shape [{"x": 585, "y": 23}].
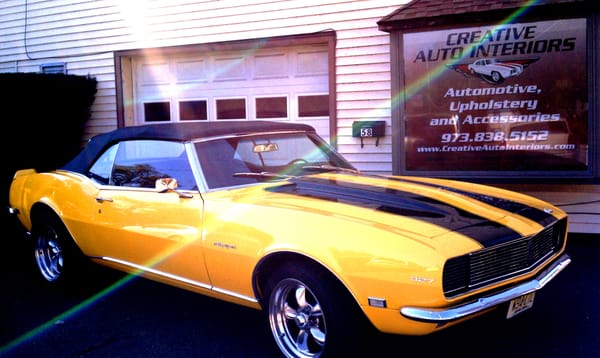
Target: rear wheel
[{"x": 312, "y": 315}]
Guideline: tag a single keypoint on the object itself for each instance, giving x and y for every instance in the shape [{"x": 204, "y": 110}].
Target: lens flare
[
  {"x": 411, "y": 89},
  {"x": 397, "y": 101}
]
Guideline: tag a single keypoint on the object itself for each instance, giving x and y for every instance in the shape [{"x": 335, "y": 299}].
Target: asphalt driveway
[{"x": 115, "y": 315}]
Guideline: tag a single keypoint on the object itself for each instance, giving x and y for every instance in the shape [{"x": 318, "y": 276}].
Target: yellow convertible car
[{"x": 267, "y": 215}]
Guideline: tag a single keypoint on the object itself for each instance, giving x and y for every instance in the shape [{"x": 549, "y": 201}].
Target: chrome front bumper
[{"x": 444, "y": 315}]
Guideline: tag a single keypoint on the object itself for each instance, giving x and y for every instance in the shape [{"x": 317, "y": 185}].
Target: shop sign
[{"x": 509, "y": 97}]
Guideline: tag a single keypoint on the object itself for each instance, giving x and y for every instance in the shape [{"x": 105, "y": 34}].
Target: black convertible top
[{"x": 175, "y": 131}]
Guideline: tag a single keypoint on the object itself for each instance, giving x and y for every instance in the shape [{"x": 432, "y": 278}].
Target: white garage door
[{"x": 283, "y": 84}]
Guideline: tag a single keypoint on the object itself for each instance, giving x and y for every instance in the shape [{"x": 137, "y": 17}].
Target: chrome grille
[{"x": 477, "y": 269}]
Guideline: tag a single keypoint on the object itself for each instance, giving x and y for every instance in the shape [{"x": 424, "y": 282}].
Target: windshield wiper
[
  {"x": 316, "y": 168},
  {"x": 330, "y": 168},
  {"x": 262, "y": 175}
]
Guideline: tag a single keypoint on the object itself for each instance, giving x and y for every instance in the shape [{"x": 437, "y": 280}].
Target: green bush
[{"x": 44, "y": 116}]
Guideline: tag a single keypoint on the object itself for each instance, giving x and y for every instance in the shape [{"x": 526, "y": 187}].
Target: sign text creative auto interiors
[
  {"x": 509, "y": 40},
  {"x": 514, "y": 92}
]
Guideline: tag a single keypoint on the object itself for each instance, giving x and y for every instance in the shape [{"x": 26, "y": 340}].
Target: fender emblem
[
  {"x": 224, "y": 246},
  {"x": 422, "y": 279}
]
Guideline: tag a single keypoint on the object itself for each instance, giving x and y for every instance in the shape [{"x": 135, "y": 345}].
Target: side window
[
  {"x": 140, "y": 163},
  {"x": 102, "y": 168}
]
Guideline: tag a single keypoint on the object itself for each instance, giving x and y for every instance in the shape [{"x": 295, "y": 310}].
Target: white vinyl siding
[{"x": 85, "y": 33}]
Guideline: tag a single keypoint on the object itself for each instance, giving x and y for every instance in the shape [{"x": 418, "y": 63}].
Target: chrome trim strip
[
  {"x": 233, "y": 294},
  {"x": 179, "y": 278},
  {"x": 443, "y": 315}
]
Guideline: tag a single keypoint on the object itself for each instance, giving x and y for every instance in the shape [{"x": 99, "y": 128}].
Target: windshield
[{"x": 283, "y": 154}]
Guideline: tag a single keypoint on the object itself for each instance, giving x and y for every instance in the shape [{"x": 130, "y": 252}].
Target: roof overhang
[{"x": 425, "y": 14}]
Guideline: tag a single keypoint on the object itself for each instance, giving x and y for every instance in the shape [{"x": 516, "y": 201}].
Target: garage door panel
[
  {"x": 312, "y": 63},
  {"x": 154, "y": 73},
  {"x": 195, "y": 70},
  {"x": 271, "y": 66},
  {"x": 230, "y": 69}
]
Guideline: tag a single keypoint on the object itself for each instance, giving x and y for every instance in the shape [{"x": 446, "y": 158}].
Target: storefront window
[{"x": 510, "y": 97}]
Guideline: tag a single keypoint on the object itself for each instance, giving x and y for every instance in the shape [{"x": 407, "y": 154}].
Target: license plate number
[{"x": 520, "y": 304}]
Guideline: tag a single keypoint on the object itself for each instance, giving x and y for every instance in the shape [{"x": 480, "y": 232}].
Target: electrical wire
[
  {"x": 579, "y": 203},
  {"x": 25, "y": 31},
  {"x": 53, "y": 57}
]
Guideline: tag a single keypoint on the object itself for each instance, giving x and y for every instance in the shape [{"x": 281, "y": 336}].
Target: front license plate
[{"x": 520, "y": 304}]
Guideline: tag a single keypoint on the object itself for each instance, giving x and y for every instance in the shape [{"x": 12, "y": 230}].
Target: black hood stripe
[
  {"x": 393, "y": 201},
  {"x": 539, "y": 216}
]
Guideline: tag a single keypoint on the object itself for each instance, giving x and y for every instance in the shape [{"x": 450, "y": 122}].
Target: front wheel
[
  {"x": 497, "y": 77},
  {"x": 311, "y": 315},
  {"x": 54, "y": 251}
]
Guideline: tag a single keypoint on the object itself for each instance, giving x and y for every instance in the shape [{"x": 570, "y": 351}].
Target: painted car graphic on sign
[{"x": 493, "y": 70}]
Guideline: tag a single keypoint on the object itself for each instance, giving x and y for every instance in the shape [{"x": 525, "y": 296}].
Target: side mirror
[{"x": 165, "y": 184}]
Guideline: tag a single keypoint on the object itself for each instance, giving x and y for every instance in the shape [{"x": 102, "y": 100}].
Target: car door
[{"x": 156, "y": 232}]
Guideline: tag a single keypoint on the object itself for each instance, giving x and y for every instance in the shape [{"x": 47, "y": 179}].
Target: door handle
[{"x": 101, "y": 199}]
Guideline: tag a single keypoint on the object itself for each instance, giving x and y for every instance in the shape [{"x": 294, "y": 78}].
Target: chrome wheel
[
  {"x": 49, "y": 254},
  {"x": 296, "y": 319},
  {"x": 496, "y": 77}
]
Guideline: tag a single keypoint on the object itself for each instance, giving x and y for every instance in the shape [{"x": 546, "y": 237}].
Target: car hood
[{"x": 486, "y": 214}]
